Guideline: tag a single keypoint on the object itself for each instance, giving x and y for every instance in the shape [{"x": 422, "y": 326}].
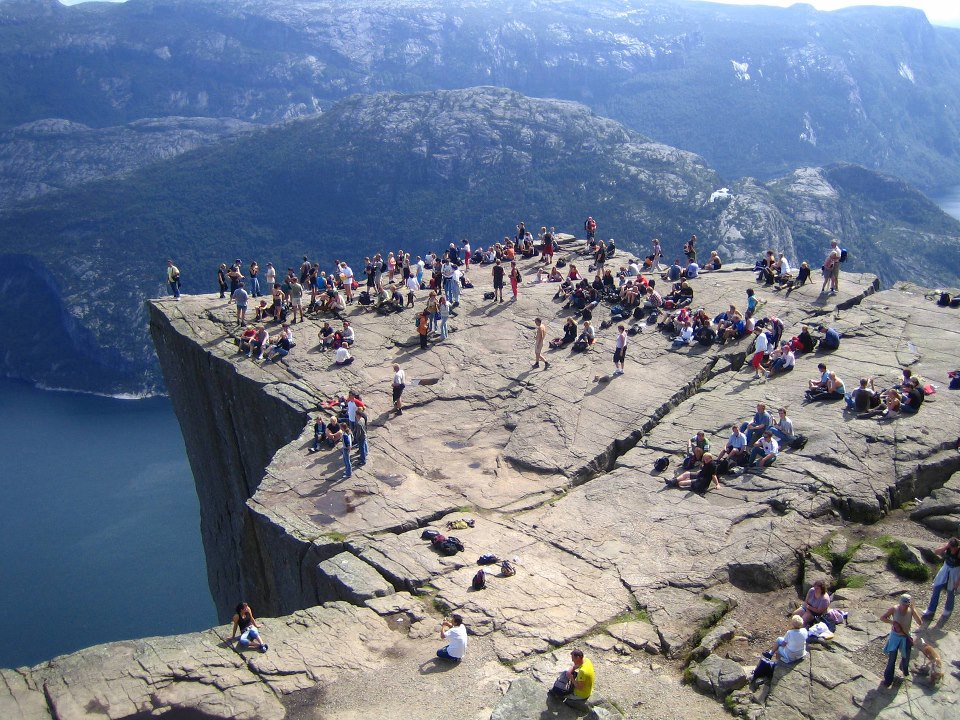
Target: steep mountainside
[
  {"x": 416, "y": 172},
  {"x": 46, "y": 155},
  {"x": 755, "y": 90}
]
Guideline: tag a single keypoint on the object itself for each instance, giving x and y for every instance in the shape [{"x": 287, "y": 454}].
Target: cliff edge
[{"x": 556, "y": 465}]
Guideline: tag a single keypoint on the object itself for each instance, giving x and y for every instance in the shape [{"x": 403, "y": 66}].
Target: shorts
[
  {"x": 296, "y": 302},
  {"x": 619, "y": 355},
  {"x": 498, "y": 285},
  {"x": 397, "y": 392}
]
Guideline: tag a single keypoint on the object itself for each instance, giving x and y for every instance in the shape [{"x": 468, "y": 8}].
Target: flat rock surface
[{"x": 556, "y": 467}]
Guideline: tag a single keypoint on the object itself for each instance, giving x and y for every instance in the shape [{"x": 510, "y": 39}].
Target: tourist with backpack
[
  {"x": 578, "y": 686},
  {"x": 455, "y": 633}
]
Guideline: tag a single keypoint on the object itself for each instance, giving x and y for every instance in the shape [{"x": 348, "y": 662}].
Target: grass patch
[
  {"x": 440, "y": 606},
  {"x": 335, "y": 536},
  {"x": 688, "y": 676},
  {"x": 852, "y": 581},
  {"x": 730, "y": 703},
  {"x": 710, "y": 621},
  {"x": 906, "y": 567},
  {"x": 899, "y": 559}
]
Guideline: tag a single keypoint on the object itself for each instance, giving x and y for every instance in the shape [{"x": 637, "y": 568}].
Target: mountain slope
[
  {"x": 416, "y": 172},
  {"x": 755, "y": 90}
]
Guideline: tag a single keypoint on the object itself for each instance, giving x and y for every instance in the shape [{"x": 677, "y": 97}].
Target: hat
[{"x": 905, "y": 599}]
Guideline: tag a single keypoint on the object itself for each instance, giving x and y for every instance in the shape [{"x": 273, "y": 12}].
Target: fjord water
[
  {"x": 949, "y": 201},
  {"x": 99, "y": 524}
]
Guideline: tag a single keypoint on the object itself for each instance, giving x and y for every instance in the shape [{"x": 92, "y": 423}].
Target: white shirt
[
  {"x": 347, "y": 333},
  {"x": 466, "y": 247},
  {"x": 412, "y": 284},
  {"x": 271, "y": 276},
  {"x": 400, "y": 377},
  {"x": 457, "y": 639},
  {"x": 347, "y": 272},
  {"x": 784, "y": 266},
  {"x": 692, "y": 270},
  {"x": 351, "y": 410},
  {"x": 622, "y": 341},
  {"x": 762, "y": 345},
  {"x": 770, "y": 447},
  {"x": 342, "y": 355}
]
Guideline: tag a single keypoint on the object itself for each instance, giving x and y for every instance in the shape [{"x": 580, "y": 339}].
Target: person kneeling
[{"x": 455, "y": 632}]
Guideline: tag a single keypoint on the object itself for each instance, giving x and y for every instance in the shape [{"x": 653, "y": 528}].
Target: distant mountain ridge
[
  {"x": 415, "y": 172},
  {"x": 757, "y": 91}
]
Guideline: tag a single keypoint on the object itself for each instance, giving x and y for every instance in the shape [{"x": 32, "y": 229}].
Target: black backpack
[
  {"x": 798, "y": 442},
  {"x": 479, "y": 580},
  {"x": 661, "y": 464},
  {"x": 429, "y": 534},
  {"x": 944, "y": 300},
  {"x": 843, "y": 255}
]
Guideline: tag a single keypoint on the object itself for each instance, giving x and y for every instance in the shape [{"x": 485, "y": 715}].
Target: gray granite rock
[
  {"x": 718, "y": 675},
  {"x": 347, "y": 577}
]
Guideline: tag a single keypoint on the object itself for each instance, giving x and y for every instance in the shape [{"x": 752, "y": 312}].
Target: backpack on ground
[
  {"x": 580, "y": 346},
  {"x": 456, "y": 543},
  {"x": 449, "y": 547},
  {"x": 507, "y": 569},
  {"x": 429, "y": 534},
  {"x": 438, "y": 540},
  {"x": 637, "y": 313},
  {"x": 944, "y": 300},
  {"x": 479, "y": 580},
  {"x": 798, "y": 442},
  {"x": 764, "y": 668},
  {"x": 661, "y": 464},
  {"x": 488, "y": 559},
  {"x": 489, "y": 295}
]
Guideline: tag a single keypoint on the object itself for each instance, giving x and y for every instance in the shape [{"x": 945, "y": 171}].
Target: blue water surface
[{"x": 99, "y": 524}]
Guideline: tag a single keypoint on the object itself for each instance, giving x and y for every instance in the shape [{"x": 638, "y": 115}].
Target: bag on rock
[
  {"x": 764, "y": 668},
  {"x": 798, "y": 442},
  {"x": 438, "y": 539},
  {"x": 661, "y": 464},
  {"x": 507, "y": 569},
  {"x": 456, "y": 543},
  {"x": 448, "y": 547},
  {"x": 429, "y": 534},
  {"x": 489, "y": 295},
  {"x": 488, "y": 559},
  {"x": 562, "y": 685},
  {"x": 479, "y": 580}
]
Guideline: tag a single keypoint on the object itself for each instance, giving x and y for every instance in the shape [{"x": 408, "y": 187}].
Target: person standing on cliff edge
[
  {"x": 399, "y": 383},
  {"x": 173, "y": 279}
]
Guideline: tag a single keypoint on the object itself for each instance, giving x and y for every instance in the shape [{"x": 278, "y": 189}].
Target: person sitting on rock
[
  {"x": 555, "y": 275},
  {"x": 807, "y": 341},
  {"x": 714, "y": 262},
  {"x": 913, "y": 398},
  {"x": 674, "y": 272},
  {"x": 755, "y": 428},
  {"x": 581, "y": 679},
  {"x": 781, "y": 360},
  {"x": 246, "y": 624},
  {"x": 803, "y": 275},
  {"x": 764, "y": 451},
  {"x": 343, "y": 356},
  {"x": 686, "y": 335},
  {"x": 259, "y": 342},
  {"x": 246, "y": 339},
  {"x": 696, "y": 447},
  {"x": 692, "y": 271},
  {"x": 782, "y": 429},
  {"x": 815, "y": 604},
  {"x": 332, "y": 434},
  {"x": 736, "y": 448},
  {"x": 864, "y": 398},
  {"x": 830, "y": 339},
  {"x": 281, "y": 346},
  {"x": 325, "y": 335},
  {"x": 569, "y": 333},
  {"x": 821, "y": 381},
  {"x": 703, "y": 481},
  {"x": 792, "y": 646}
]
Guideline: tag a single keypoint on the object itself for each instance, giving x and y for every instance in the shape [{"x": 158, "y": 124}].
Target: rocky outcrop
[{"x": 555, "y": 465}]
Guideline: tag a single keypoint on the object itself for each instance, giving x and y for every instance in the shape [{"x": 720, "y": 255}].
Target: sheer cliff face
[{"x": 232, "y": 426}]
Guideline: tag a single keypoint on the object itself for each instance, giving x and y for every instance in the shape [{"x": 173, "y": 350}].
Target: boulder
[
  {"x": 718, "y": 676},
  {"x": 347, "y": 577}
]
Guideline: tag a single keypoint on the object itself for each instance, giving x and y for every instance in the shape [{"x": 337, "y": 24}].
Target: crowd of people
[{"x": 641, "y": 288}]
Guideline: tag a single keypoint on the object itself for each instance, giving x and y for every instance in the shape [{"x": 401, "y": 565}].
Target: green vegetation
[
  {"x": 852, "y": 581},
  {"x": 335, "y": 536},
  {"x": 900, "y": 560}
]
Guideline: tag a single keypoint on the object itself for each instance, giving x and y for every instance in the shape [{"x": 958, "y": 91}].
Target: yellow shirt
[{"x": 584, "y": 676}]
